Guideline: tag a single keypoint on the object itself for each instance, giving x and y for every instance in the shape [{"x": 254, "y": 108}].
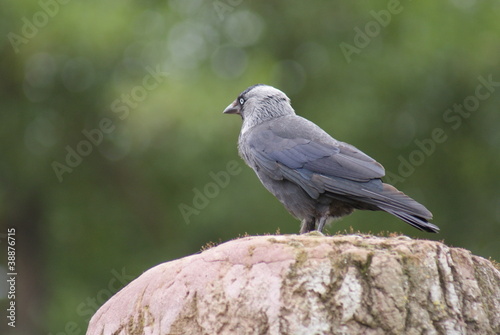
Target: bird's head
[{"x": 259, "y": 103}]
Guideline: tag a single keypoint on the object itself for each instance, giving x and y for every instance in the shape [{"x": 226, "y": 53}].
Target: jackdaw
[{"x": 315, "y": 177}]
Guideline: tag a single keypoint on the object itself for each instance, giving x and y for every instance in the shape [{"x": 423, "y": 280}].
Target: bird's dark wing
[
  {"x": 296, "y": 149},
  {"x": 299, "y": 144},
  {"x": 348, "y": 162}
]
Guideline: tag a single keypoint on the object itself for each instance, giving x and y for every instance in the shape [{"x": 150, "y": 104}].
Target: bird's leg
[
  {"x": 321, "y": 224},
  {"x": 307, "y": 225}
]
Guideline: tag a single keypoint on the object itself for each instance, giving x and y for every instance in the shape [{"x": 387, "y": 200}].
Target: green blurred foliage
[{"x": 119, "y": 207}]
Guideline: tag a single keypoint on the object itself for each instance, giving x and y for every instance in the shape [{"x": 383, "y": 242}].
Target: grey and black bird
[{"x": 315, "y": 177}]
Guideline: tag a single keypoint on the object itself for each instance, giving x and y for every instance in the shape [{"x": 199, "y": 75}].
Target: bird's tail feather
[
  {"x": 414, "y": 220},
  {"x": 375, "y": 195},
  {"x": 392, "y": 201}
]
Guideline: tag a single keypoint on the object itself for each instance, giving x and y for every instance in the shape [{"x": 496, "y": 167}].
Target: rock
[{"x": 311, "y": 284}]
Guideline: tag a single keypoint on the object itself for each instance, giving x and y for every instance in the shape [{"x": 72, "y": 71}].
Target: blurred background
[{"x": 116, "y": 155}]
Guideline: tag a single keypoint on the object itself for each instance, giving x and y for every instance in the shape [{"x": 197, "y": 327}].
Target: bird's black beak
[{"x": 233, "y": 108}]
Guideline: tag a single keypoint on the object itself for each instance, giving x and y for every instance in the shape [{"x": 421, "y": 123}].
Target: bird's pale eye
[{"x": 242, "y": 101}]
